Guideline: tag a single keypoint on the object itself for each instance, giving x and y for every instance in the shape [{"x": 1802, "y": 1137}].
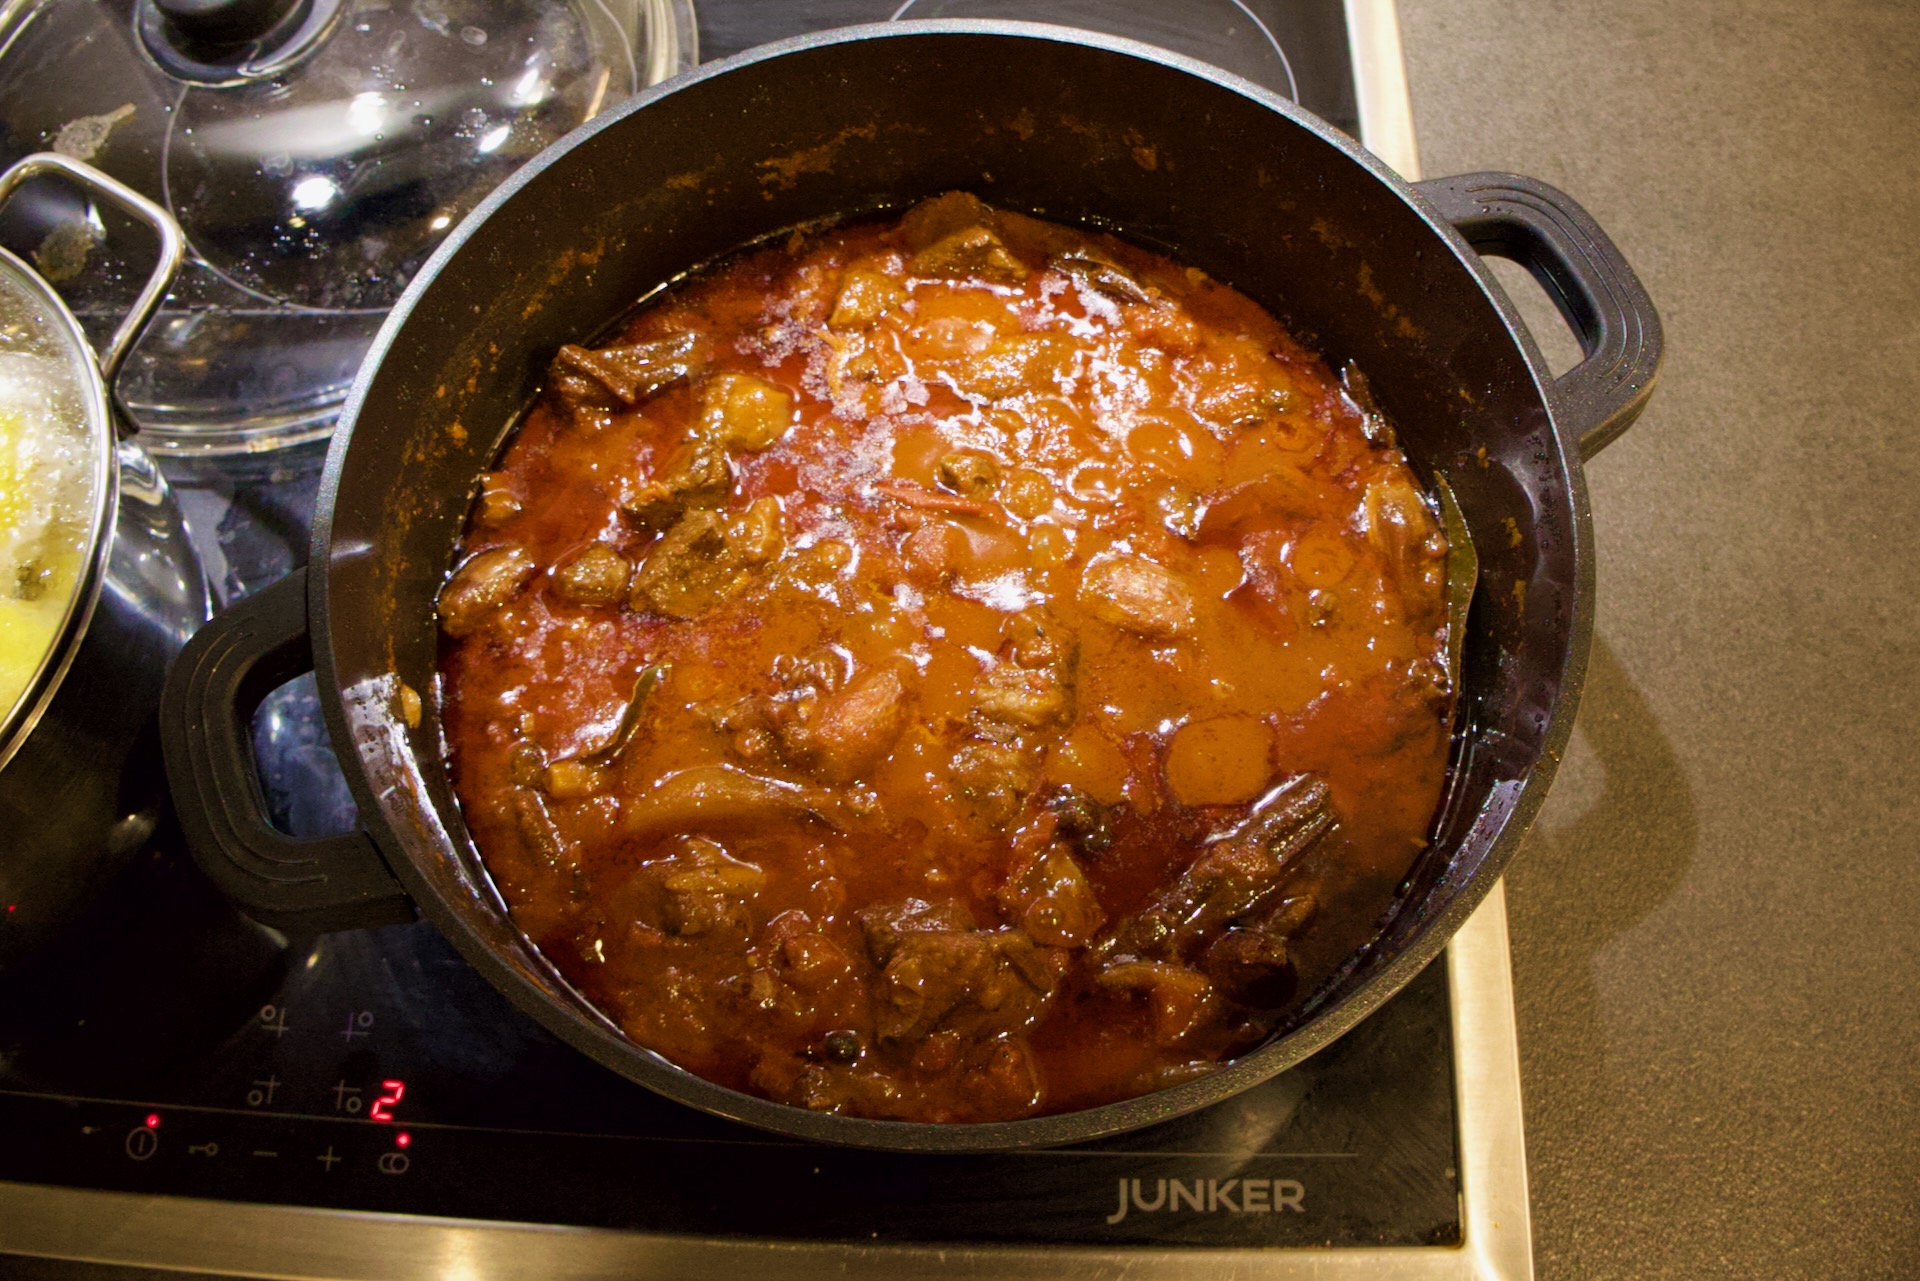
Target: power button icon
[{"x": 142, "y": 1142}]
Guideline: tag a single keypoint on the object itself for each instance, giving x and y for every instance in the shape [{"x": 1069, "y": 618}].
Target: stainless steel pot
[{"x": 81, "y": 784}]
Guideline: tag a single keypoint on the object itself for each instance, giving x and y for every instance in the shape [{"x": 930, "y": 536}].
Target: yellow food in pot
[{"x": 45, "y": 503}]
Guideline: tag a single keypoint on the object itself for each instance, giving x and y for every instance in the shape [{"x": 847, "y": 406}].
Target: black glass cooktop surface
[
  {"x": 374, "y": 1070},
  {"x": 171, "y": 1047}
]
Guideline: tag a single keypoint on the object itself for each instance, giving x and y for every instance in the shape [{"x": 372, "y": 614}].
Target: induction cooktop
[{"x": 180, "y": 1088}]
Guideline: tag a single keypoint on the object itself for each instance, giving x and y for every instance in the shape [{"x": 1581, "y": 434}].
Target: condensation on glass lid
[
  {"x": 311, "y": 195},
  {"x": 328, "y": 189}
]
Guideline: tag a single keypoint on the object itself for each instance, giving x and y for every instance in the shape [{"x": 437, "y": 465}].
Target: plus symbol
[{"x": 328, "y": 1159}]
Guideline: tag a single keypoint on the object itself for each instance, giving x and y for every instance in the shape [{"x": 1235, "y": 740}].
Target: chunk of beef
[
  {"x": 705, "y": 558},
  {"x": 757, "y": 535},
  {"x": 1252, "y": 967},
  {"x": 822, "y": 669},
  {"x": 747, "y": 722},
  {"x": 594, "y": 575},
  {"x": 953, "y": 237},
  {"x": 736, "y": 412},
  {"x": 973, "y": 253},
  {"x": 1251, "y": 961},
  {"x": 864, "y": 297},
  {"x": 1000, "y": 1079},
  {"x": 813, "y": 567},
  {"x": 853, "y": 1088},
  {"x": 536, "y": 824},
  {"x": 992, "y": 780},
  {"x": 1177, "y": 996},
  {"x": 706, "y": 889},
  {"x": 480, "y": 587},
  {"x": 1050, "y": 898},
  {"x": 843, "y": 733},
  {"x": 803, "y": 982},
  {"x": 1030, "y": 685},
  {"x": 1238, "y": 872},
  {"x": 1085, "y": 823},
  {"x": 620, "y": 376},
  {"x": 930, "y": 978},
  {"x": 688, "y": 571},
  {"x": 885, "y": 924},
  {"x": 1139, "y": 595},
  {"x": 938, "y": 975},
  {"x": 933, "y": 220},
  {"x": 1094, "y": 272},
  {"x": 1033, "y": 638},
  {"x": 1019, "y": 697},
  {"x": 810, "y": 960},
  {"x": 699, "y": 476}
]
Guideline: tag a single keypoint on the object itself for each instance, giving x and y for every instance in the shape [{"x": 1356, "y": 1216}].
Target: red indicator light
[
  {"x": 382, "y": 1109},
  {"x": 402, "y": 1140},
  {"x": 153, "y": 1120},
  {"x": 11, "y": 906}
]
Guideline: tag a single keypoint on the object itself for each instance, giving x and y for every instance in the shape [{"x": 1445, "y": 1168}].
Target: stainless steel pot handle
[
  {"x": 173, "y": 244},
  {"x": 1547, "y": 232}
]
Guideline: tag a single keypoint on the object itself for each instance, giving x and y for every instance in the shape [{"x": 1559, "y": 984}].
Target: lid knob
[
  {"x": 228, "y": 42},
  {"x": 207, "y": 26}
]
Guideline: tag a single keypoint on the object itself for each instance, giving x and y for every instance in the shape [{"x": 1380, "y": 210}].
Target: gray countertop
[{"x": 1715, "y": 947}]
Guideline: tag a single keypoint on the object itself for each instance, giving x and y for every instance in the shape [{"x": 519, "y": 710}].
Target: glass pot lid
[{"x": 313, "y": 151}]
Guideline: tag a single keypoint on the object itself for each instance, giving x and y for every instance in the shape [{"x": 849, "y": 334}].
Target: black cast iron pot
[{"x": 1223, "y": 176}]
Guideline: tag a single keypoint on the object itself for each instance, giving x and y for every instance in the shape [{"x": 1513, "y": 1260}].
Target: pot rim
[
  {"x": 103, "y": 476},
  {"x": 1318, "y": 1025}
]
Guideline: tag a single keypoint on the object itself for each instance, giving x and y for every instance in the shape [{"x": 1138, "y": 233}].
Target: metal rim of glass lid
[{"x": 314, "y": 152}]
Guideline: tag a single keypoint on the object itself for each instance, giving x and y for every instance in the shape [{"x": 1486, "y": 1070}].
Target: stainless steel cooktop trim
[
  {"x": 1380, "y": 84},
  {"x": 304, "y": 1244}
]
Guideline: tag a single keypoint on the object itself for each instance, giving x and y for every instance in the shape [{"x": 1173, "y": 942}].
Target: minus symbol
[{"x": 263, "y": 1152}]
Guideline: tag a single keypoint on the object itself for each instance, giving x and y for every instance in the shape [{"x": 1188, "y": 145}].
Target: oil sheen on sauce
[{"x": 953, "y": 668}]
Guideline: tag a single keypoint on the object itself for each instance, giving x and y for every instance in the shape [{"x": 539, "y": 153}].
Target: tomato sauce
[{"x": 953, "y": 668}]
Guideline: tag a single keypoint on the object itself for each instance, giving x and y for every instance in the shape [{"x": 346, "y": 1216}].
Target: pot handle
[
  {"x": 299, "y": 884},
  {"x": 1545, "y": 231},
  {"x": 173, "y": 245}
]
